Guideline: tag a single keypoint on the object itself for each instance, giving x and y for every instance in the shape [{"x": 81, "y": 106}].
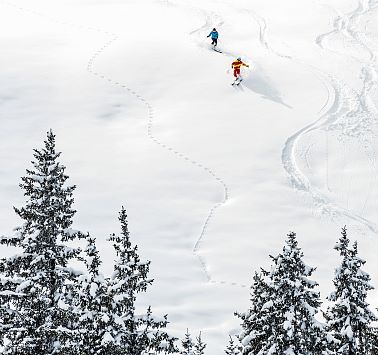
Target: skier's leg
[
  {"x": 215, "y": 42},
  {"x": 235, "y": 76}
]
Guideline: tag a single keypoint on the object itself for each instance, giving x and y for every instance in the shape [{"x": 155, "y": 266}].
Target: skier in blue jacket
[{"x": 214, "y": 37}]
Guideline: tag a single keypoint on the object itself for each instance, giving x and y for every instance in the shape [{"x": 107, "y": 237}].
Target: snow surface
[{"x": 212, "y": 176}]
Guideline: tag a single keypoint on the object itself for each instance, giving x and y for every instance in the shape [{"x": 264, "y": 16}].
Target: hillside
[{"x": 213, "y": 176}]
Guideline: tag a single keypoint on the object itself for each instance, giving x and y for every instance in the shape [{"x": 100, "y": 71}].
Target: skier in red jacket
[{"x": 236, "y": 65}]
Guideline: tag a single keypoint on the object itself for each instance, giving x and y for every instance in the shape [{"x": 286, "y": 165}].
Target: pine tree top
[
  {"x": 233, "y": 348},
  {"x": 130, "y": 273},
  {"x": 343, "y": 243},
  {"x": 199, "y": 346},
  {"x": 92, "y": 258},
  {"x": 187, "y": 344},
  {"x": 291, "y": 260},
  {"x": 48, "y": 210}
]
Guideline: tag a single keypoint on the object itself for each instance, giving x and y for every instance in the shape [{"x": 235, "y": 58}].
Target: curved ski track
[
  {"x": 356, "y": 122},
  {"x": 151, "y": 136},
  {"x": 359, "y": 121},
  {"x": 343, "y": 102}
]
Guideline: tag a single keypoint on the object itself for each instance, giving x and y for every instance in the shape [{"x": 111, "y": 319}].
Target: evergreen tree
[
  {"x": 233, "y": 348},
  {"x": 93, "y": 306},
  {"x": 134, "y": 334},
  {"x": 257, "y": 322},
  {"x": 296, "y": 304},
  {"x": 199, "y": 346},
  {"x": 284, "y": 308},
  {"x": 187, "y": 344},
  {"x": 36, "y": 284},
  {"x": 349, "y": 318}
]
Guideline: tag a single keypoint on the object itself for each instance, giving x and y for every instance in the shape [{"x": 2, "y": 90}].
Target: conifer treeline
[
  {"x": 47, "y": 307},
  {"x": 283, "y": 317}
]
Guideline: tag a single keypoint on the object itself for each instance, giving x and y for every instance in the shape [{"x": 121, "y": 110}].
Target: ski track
[
  {"x": 331, "y": 117},
  {"x": 364, "y": 108},
  {"x": 151, "y": 118}
]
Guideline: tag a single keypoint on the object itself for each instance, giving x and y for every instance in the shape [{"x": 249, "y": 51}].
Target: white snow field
[{"x": 213, "y": 176}]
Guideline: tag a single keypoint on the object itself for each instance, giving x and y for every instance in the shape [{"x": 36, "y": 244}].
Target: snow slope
[{"x": 212, "y": 176}]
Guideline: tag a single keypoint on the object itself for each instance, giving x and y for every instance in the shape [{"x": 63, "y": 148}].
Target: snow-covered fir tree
[
  {"x": 257, "y": 322},
  {"x": 36, "y": 284},
  {"x": 133, "y": 333},
  {"x": 295, "y": 305},
  {"x": 291, "y": 303},
  {"x": 349, "y": 317},
  {"x": 233, "y": 348},
  {"x": 187, "y": 344},
  {"x": 93, "y": 306},
  {"x": 199, "y": 346}
]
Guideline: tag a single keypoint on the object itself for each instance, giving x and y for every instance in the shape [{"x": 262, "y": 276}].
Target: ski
[{"x": 237, "y": 81}]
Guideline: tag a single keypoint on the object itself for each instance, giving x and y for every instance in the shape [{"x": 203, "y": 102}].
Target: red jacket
[{"x": 236, "y": 64}]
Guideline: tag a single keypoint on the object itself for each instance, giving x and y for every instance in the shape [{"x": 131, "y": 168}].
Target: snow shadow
[{"x": 262, "y": 85}]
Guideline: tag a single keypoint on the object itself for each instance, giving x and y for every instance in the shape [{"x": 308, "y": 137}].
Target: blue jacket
[{"x": 213, "y": 34}]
